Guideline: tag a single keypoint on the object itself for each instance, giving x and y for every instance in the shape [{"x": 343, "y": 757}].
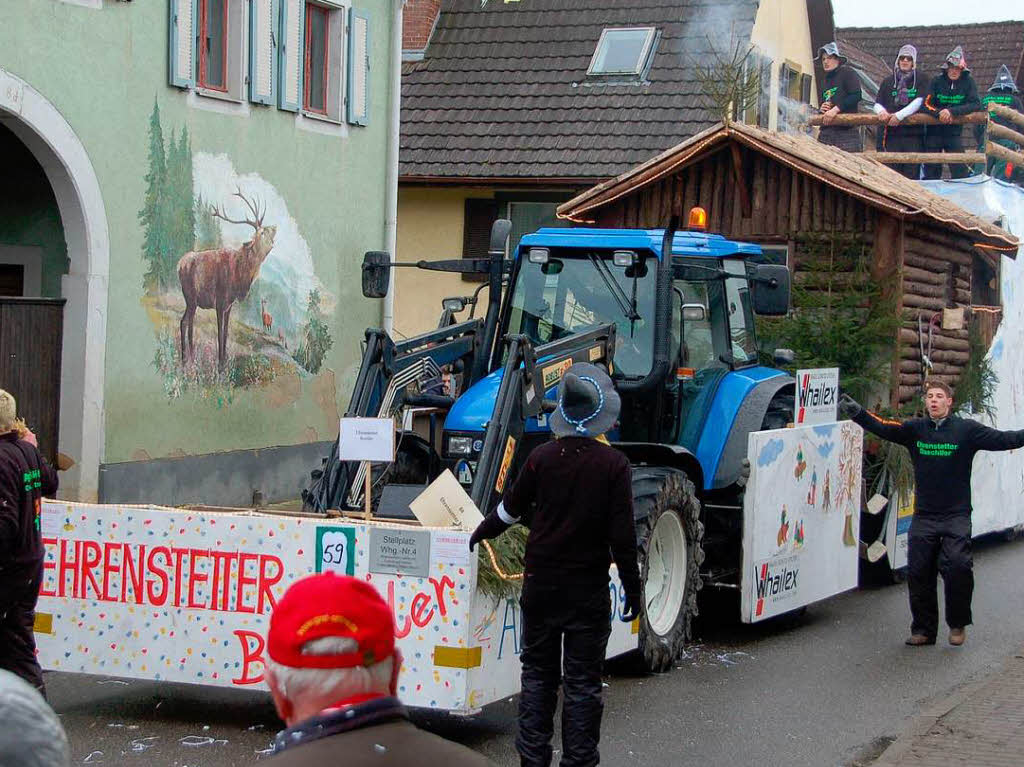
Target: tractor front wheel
[{"x": 671, "y": 553}]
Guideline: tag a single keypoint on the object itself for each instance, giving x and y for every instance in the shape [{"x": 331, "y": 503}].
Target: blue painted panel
[
  {"x": 683, "y": 244},
  {"x": 474, "y": 408},
  {"x": 732, "y": 391}
]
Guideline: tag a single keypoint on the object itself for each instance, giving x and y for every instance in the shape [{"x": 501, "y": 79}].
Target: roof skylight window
[{"x": 622, "y": 51}]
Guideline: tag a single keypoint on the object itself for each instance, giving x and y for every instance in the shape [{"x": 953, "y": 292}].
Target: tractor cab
[{"x": 683, "y": 322}]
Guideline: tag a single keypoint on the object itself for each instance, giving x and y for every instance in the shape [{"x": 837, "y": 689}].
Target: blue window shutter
[
  {"x": 290, "y": 54},
  {"x": 263, "y": 38},
  {"x": 181, "y": 43},
  {"x": 358, "y": 88}
]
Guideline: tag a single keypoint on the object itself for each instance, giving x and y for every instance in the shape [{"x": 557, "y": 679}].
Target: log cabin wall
[
  {"x": 779, "y": 203},
  {"x": 937, "y": 271}
]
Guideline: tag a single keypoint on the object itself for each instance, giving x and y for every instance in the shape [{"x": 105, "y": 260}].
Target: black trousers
[
  {"x": 940, "y": 543},
  {"x": 565, "y": 634},
  {"x": 18, "y": 595},
  {"x": 945, "y": 138},
  {"x": 904, "y": 138}
]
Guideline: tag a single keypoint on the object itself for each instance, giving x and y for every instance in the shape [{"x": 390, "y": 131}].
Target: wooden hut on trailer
[{"x": 781, "y": 190}]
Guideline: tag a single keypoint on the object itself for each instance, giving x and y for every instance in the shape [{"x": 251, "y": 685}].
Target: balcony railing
[{"x": 983, "y": 150}]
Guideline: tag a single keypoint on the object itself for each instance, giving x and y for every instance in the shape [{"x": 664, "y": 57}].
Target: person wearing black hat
[
  {"x": 575, "y": 495},
  {"x": 840, "y": 94},
  {"x": 952, "y": 94},
  {"x": 1003, "y": 91},
  {"x": 900, "y": 95}
]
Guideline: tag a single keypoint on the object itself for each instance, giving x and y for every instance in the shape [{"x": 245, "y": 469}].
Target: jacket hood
[{"x": 1004, "y": 80}]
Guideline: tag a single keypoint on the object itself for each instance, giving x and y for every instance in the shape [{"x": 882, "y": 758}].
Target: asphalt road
[{"x": 830, "y": 688}]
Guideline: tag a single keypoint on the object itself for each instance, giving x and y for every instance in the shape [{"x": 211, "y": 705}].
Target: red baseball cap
[{"x": 329, "y": 605}]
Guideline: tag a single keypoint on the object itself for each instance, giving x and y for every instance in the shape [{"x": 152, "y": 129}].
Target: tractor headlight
[{"x": 460, "y": 445}]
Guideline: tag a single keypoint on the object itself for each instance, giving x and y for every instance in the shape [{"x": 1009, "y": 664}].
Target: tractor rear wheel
[{"x": 671, "y": 552}]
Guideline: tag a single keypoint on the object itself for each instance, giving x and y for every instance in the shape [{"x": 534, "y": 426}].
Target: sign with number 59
[{"x": 336, "y": 550}]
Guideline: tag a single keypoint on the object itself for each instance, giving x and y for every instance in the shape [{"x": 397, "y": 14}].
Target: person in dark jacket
[
  {"x": 332, "y": 668},
  {"x": 952, "y": 94},
  {"x": 575, "y": 495},
  {"x": 900, "y": 95},
  {"x": 1003, "y": 91},
  {"x": 25, "y": 477},
  {"x": 840, "y": 94},
  {"x": 942, "y": 447}
]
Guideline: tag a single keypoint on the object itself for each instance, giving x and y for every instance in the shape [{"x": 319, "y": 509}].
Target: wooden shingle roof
[
  {"x": 503, "y": 91},
  {"x": 986, "y": 46},
  {"x": 856, "y": 174}
]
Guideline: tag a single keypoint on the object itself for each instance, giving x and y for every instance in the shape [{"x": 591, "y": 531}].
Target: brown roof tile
[{"x": 503, "y": 93}]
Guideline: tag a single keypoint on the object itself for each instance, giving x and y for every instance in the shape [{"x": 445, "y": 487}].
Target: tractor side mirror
[
  {"x": 769, "y": 286},
  {"x": 376, "y": 273},
  {"x": 500, "y": 231}
]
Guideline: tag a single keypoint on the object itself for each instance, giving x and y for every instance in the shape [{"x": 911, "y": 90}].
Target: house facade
[
  {"x": 509, "y": 109},
  {"x": 190, "y": 187}
]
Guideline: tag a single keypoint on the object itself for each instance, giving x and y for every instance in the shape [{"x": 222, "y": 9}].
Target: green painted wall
[
  {"x": 103, "y": 70},
  {"x": 28, "y": 210}
]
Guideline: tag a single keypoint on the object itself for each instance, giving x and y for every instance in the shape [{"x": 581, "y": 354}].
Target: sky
[{"x": 886, "y": 13}]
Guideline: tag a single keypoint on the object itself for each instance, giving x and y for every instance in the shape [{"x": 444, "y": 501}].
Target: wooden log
[
  {"x": 758, "y": 185},
  {"x": 794, "y": 200},
  {"x": 943, "y": 342},
  {"x": 1006, "y": 155},
  {"x": 1010, "y": 114},
  {"x": 784, "y": 176},
  {"x": 932, "y": 303},
  {"x": 941, "y": 236},
  {"x": 928, "y": 158},
  {"x": 912, "y": 352},
  {"x": 939, "y": 368},
  {"x": 995, "y": 130},
  {"x": 917, "y": 274},
  {"x": 862, "y": 118},
  {"x": 806, "y": 193},
  {"x": 740, "y": 179},
  {"x": 771, "y": 197},
  {"x": 926, "y": 290},
  {"x": 714, "y": 206}
]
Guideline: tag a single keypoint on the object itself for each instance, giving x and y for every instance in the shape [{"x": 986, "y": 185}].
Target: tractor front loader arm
[
  {"x": 392, "y": 376},
  {"x": 529, "y": 373}
]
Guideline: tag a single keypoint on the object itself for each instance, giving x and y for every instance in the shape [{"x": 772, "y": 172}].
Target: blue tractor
[{"x": 670, "y": 313}]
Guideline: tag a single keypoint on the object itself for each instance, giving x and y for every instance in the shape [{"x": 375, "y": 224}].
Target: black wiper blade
[{"x": 617, "y": 292}]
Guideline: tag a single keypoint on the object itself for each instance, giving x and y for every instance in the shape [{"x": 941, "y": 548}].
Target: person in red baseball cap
[{"x": 332, "y": 667}]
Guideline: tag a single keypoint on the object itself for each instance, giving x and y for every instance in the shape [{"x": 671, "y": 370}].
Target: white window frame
[
  {"x": 337, "y": 56},
  {"x": 237, "y": 54},
  {"x": 642, "y": 59}
]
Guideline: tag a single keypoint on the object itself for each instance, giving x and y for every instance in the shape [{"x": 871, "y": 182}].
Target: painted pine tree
[{"x": 154, "y": 243}]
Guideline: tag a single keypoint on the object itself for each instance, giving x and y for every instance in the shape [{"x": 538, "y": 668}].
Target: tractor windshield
[{"x": 577, "y": 290}]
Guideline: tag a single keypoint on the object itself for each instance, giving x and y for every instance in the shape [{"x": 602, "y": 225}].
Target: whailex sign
[
  {"x": 817, "y": 394},
  {"x": 775, "y": 581}
]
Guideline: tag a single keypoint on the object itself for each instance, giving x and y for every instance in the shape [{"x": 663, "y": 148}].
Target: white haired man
[
  {"x": 332, "y": 667},
  {"x": 31, "y": 735}
]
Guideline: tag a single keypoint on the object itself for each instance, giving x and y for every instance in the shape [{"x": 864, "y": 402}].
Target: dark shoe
[
  {"x": 957, "y": 636},
  {"x": 919, "y": 640}
]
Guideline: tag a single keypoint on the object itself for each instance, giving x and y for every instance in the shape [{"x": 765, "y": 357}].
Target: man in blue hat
[{"x": 575, "y": 494}]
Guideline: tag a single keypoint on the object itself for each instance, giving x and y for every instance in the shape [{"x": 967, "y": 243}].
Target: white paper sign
[
  {"x": 366, "y": 439},
  {"x": 445, "y": 504},
  {"x": 817, "y": 396},
  {"x": 801, "y": 517}
]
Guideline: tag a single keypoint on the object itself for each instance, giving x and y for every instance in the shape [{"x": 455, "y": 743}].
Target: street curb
[{"x": 920, "y": 725}]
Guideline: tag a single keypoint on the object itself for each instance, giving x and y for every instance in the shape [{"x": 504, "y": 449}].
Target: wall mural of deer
[{"x": 217, "y": 279}]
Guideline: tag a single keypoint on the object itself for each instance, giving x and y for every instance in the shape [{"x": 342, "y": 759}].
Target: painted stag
[{"x": 216, "y": 279}]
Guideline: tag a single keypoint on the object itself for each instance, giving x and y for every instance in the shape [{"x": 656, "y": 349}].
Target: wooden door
[{"x": 31, "y": 330}]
